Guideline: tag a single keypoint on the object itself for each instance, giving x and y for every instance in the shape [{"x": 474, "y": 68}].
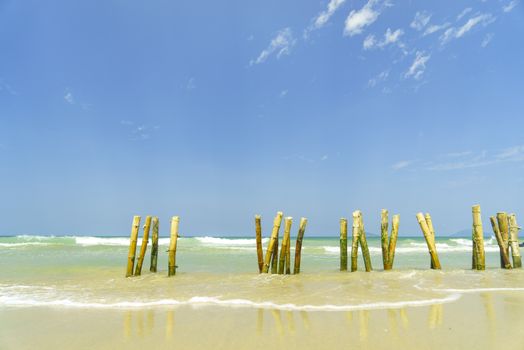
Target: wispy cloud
[
  {"x": 382, "y": 76},
  {"x": 402, "y": 164},
  {"x": 435, "y": 28},
  {"x": 390, "y": 37},
  {"x": 510, "y": 6},
  {"x": 487, "y": 39},
  {"x": 280, "y": 45},
  {"x": 283, "y": 93},
  {"x": 456, "y": 33},
  {"x": 357, "y": 20},
  {"x": 420, "y": 21},
  {"x": 68, "y": 97},
  {"x": 463, "y": 13},
  {"x": 323, "y": 17},
  {"x": 417, "y": 68},
  {"x": 191, "y": 84}
]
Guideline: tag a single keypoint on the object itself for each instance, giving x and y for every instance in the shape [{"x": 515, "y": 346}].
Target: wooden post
[
  {"x": 154, "y": 245},
  {"x": 355, "y": 234},
  {"x": 435, "y": 263},
  {"x": 514, "y": 241},
  {"x": 384, "y": 223},
  {"x": 392, "y": 241},
  {"x": 343, "y": 244},
  {"x": 432, "y": 231},
  {"x": 272, "y": 241},
  {"x": 288, "y": 255},
  {"x": 479, "y": 259},
  {"x": 285, "y": 243},
  {"x": 364, "y": 246},
  {"x": 143, "y": 246},
  {"x": 258, "y": 230},
  {"x": 298, "y": 247},
  {"x": 274, "y": 259},
  {"x": 132, "y": 246},
  {"x": 172, "y": 246},
  {"x": 503, "y": 253},
  {"x": 502, "y": 220}
]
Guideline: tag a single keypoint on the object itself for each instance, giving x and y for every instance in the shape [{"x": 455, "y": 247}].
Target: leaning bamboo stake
[
  {"x": 274, "y": 259},
  {"x": 479, "y": 258},
  {"x": 514, "y": 241},
  {"x": 435, "y": 263},
  {"x": 272, "y": 241},
  {"x": 132, "y": 246},
  {"x": 355, "y": 234},
  {"x": 392, "y": 241},
  {"x": 298, "y": 247},
  {"x": 503, "y": 254},
  {"x": 143, "y": 246},
  {"x": 288, "y": 257},
  {"x": 364, "y": 246},
  {"x": 154, "y": 245},
  {"x": 384, "y": 223},
  {"x": 258, "y": 228},
  {"x": 285, "y": 243},
  {"x": 172, "y": 246},
  {"x": 429, "y": 222},
  {"x": 343, "y": 244},
  {"x": 502, "y": 221}
]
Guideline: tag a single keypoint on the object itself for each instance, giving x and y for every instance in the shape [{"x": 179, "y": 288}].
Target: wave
[
  {"x": 213, "y": 301},
  {"x": 478, "y": 290},
  {"x": 230, "y": 241}
]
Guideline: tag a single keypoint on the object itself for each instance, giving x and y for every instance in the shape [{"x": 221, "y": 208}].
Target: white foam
[
  {"x": 478, "y": 290},
  {"x": 90, "y": 241},
  {"x": 24, "y": 244},
  {"x": 229, "y": 241}
]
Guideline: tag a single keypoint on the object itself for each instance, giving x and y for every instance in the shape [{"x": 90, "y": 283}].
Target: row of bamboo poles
[
  {"x": 272, "y": 261},
  {"x": 504, "y": 227},
  {"x": 135, "y": 228}
]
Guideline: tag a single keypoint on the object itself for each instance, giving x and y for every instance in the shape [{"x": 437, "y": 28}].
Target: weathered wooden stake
[
  {"x": 392, "y": 241},
  {"x": 514, "y": 241},
  {"x": 258, "y": 228},
  {"x": 132, "y": 246},
  {"x": 154, "y": 245},
  {"x": 503, "y": 253},
  {"x": 479, "y": 259},
  {"x": 430, "y": 241},
  {"x": 272, "y": 241},
  {"x": 364, "y": 245},
  {"x": 298, "y": 247},
  {"x": 288, "y": 255},
  {"x": 384, "y": 223},
  {"x": 285, "y": 243},
  {"x": 274, "y": 259},
  {"x": 355, "y": 234},
  {"x": 343, "y": 244},
  {"x": 432, "y": 231},
  {"x": 502, "y": 221},
  {"x": 172, "y": 246},
  {"x": 143, "y": 246}
]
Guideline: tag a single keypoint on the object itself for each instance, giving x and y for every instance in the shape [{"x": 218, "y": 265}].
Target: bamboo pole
[
  {"x": 132, "y": 246},
  {"x": 479, "y": 258},
  {"x": 355, "y": 234},
  {"x": 154, "y": 245},
  {"x": 432, "y": 231},
  {"x": 298, "y": 247},
  {"x": 274, "y": 259},
  {"x": 514, "y": 241},
  {"x": 364, "y": 246},
  {"x": 143, "y": 246},
  {"x": 392, "y": 241},
  {"x": 258, "y": 229},
  {"x": 343, "y": 244},
  {"x": 384, "y": 223},
  {"x": 435, "y": 263},
  {"x": 502, "y": 221},
  {"x": 503, "y": 254},
  {"x": 288, "y": 256},
  {"x": 172, "y": 246},
  {"x": 285, "y": 243},
  {"x": 274, "y": 239}
]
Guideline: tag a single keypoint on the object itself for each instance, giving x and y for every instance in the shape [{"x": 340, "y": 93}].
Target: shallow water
[{"x": 50, "y": 280}]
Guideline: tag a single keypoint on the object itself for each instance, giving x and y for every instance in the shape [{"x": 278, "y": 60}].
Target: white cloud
[
  {"x": 283, "y": 93},
  {"x": 357, "y": 20},
  {"x": 510, "y": 6},
  {"x": 323, "y": 17},
  {"x": 389, "y": 38},
  {"x": 382, "y": 76},
  {"x": 191, "y": 85},
  {"x": 279, "y": 45},
  {"x": 487, "y": 39},
  {"x": 68, "y": 97},
  {"x": 435, "y": 28},
  {"x": 401, "y": 164},
  {"x": 464, "y": 12},
  {"x": 483, "y": 19},
  {"x": 420, "y": 21},
  {"x": 417, "y": 68}
]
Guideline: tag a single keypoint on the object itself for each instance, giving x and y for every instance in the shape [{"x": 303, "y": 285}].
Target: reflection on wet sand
[{"x": 435, "y": 316}]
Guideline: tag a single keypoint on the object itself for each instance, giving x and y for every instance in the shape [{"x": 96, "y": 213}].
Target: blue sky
[{"x": 216, "y": 111}]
